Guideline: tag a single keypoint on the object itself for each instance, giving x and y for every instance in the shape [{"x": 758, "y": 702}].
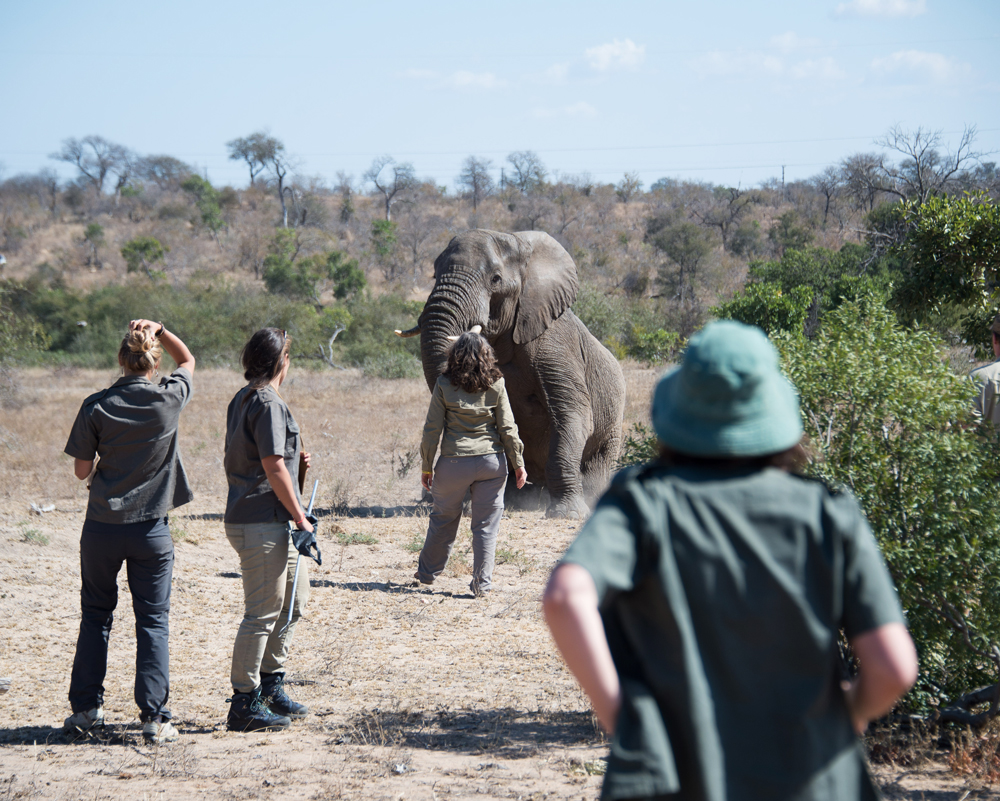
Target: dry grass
[{"x": 422, "y": 693}]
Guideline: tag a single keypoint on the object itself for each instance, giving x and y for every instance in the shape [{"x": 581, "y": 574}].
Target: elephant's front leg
[{"x": 568, "y": 437}]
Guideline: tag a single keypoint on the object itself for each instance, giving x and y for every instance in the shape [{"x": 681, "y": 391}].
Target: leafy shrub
[
  {"x": 887, "y": 418},
  {"x": 653, "y": 347},
  {"x": 143, "y": 253},
  {"x": 392, "y": 364},
  {"x": 891, "y": 421},
  {"x": 766, "y": 306}
]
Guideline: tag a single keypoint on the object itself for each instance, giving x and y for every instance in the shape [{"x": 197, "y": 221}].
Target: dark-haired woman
[
  {"x": 125, "y": 437},
  {"x": 262, "y": 467},
  {"x": 470, "y": 406}
]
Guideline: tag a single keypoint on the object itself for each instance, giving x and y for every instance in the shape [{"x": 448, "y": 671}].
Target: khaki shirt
[
  {"x": 722, "y": 594},
  {"x": 473, "y": 425},
  {"x": 132, "y": 426},
  {"x": 987, "y": 401}
]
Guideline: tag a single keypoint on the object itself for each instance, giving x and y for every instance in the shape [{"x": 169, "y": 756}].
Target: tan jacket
[
  {"x": 473, "y": 425},
  {"x": 987, "y": 382}
]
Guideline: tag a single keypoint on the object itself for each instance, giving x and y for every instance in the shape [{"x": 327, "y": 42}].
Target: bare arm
[
  {"x": 172, "y": 344},
  {"x": 570, "y": 604},
  {"x": 888, "y": 668},
  {"x": 82, "y": 468},
  {"x": 281, "y": 483}
]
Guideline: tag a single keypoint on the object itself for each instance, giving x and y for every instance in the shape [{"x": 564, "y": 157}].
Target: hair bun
[{"x": 141, "y": 341}]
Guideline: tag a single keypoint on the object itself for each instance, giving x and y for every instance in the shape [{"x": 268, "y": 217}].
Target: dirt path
[{"x": 415, "y": 693}]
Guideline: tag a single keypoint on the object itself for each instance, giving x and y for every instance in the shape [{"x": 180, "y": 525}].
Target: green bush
[
  {"x": 886, "y": 417},
  {"x": 891, "y": 421},
  {"x": 392, "y": 364},
  {"x": 766, "y": 306}
]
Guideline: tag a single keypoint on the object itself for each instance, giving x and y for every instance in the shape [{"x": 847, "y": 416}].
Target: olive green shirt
[
  {"x": 722, "y": 595},
  {"x": 473, "y": 424},
  {"x": 987, "y": 402}
]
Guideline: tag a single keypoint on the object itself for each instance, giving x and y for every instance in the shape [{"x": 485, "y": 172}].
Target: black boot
[
  {"x": 248, "y": 712},
  {"x": 272, "y": 692}
]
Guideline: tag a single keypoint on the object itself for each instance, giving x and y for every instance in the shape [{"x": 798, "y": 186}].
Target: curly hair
[
  {"x": 263, "y": 356},
  {"x": 139, "y": 351},
  {"x": 472, "y": 364}
]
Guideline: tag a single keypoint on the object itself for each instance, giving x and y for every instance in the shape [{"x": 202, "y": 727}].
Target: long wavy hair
[
  {"x": 263, "y": 356},
  {"x": 472, "y": 364}
]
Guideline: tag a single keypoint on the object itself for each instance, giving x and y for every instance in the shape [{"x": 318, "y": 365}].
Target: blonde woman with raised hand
[{"x": 125, "y": 438}]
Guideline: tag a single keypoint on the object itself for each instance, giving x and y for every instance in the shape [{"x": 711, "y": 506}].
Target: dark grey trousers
[
  {"x": 148, "y": 553},
  {"x": 486, "y": 477}
]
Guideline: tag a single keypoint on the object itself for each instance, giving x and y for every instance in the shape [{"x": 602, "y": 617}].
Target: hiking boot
[
  {"x": 85, "y": 721},
  {"x": 247, "y": 712},
  {"x": 157, "y": 732},
  {"x": 272, "y": 693}
]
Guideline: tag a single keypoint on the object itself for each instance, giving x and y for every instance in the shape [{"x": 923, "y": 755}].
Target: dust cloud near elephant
[{"x": 566, "y": 389}]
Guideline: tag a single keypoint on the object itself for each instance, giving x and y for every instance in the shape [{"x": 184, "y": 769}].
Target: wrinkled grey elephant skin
[{"x": 566, "y": 389}]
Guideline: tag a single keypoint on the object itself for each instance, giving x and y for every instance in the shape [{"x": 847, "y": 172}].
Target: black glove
[{"x": 305, "y": 541}]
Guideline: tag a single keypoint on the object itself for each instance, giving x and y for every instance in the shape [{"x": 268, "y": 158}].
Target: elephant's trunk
[{"x": 448, "y": 313}]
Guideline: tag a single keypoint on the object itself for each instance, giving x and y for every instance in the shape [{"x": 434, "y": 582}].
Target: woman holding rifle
[{"x": 263, "y": 450}]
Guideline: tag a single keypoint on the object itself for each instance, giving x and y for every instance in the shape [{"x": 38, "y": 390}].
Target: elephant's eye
[{"x": 496, "y": 278}]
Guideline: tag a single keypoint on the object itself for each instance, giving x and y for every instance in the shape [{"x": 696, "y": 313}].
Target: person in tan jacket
[
  {"x": 987, "y": 382},
  {"x": 470, "y": 408}
]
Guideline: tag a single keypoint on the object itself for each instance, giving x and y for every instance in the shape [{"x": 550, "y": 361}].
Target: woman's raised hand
[{"x": 139, "y": 325}]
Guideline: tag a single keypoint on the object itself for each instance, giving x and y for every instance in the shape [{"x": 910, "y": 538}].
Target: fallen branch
[{"x": 322, "y": 353}]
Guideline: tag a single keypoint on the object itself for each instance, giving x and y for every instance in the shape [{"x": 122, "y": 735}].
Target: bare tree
[
  {"x": 93, "y": 156},
  {"x": 403, "y": 179},
  {"x": 476, "y": 180},
  {"x": 924, "y": 170},
  {"x": 723, "y": 208},
  {"x": 529, "y": 172},
  {"x": 862, "y": 179},
  {"x": 829, "y": 184},
  {"x": 628, "y": 187},
  {"x": 164, "y": 171},
  {"x": 258, "y": 150},
  {"x": 420, "y": 230}
]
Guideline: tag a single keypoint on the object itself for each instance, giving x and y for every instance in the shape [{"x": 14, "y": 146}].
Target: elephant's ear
[{"x": 549, "y": 288}]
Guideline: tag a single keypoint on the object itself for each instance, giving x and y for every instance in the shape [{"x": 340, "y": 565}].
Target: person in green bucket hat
[{"x": 700, "y": 606}]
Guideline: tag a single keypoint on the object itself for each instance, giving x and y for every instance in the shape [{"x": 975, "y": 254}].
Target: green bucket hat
[{"x": 728, "y": 397}]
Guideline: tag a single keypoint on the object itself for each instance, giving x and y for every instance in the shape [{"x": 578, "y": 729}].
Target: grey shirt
[
  {"x": 132, "y": 426},
  {"x": 258, "y": 425}
]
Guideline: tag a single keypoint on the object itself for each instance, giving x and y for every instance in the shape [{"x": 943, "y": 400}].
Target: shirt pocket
[{"x": 291, "y": 438}]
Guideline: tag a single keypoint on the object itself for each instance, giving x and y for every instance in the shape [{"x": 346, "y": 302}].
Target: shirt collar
[{"x": 130, "y": 379}]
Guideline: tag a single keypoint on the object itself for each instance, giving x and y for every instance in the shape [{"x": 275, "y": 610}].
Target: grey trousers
[
  {"x": 267, "y": 559},
  {"x": 486, "y": 476},
  {"x": 147, "y": 551}
]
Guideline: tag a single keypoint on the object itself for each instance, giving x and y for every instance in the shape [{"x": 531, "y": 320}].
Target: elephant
[{"x": 566, "y": 390}]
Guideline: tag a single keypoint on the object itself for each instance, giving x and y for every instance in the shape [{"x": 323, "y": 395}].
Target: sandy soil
[{"x": 416, "y": 693}]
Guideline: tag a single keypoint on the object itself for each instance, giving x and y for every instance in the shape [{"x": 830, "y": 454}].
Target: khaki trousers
[{"x": 267, "y": 559}]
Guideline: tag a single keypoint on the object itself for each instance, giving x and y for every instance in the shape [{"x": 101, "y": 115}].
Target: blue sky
[{"x": 726, "y": 92}]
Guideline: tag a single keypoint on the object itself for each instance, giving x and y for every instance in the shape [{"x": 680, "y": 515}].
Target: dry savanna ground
[{"x": 416, "y": 693}]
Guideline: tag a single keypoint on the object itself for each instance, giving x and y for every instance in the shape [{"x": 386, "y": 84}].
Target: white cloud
[
  {"x": 825, "y": 69},
  {"x": 617, "y": 54},
  {"x": 920, "y": 65},
  {"x": 792, "y": 41},
  {"x": 463, "y": 79},
  {"x": 579, "y": 109},
  {"x": 738, "y": 62},
  {"x": 881, "y": 8},
  {"x": 557, "y": 73}
]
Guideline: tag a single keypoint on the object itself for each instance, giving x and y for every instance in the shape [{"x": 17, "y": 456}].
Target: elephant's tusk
[
  {"x": 410, "y": 333},
  {"x": 452, "y": 339},
  {"x": 476, "y": 329}
]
